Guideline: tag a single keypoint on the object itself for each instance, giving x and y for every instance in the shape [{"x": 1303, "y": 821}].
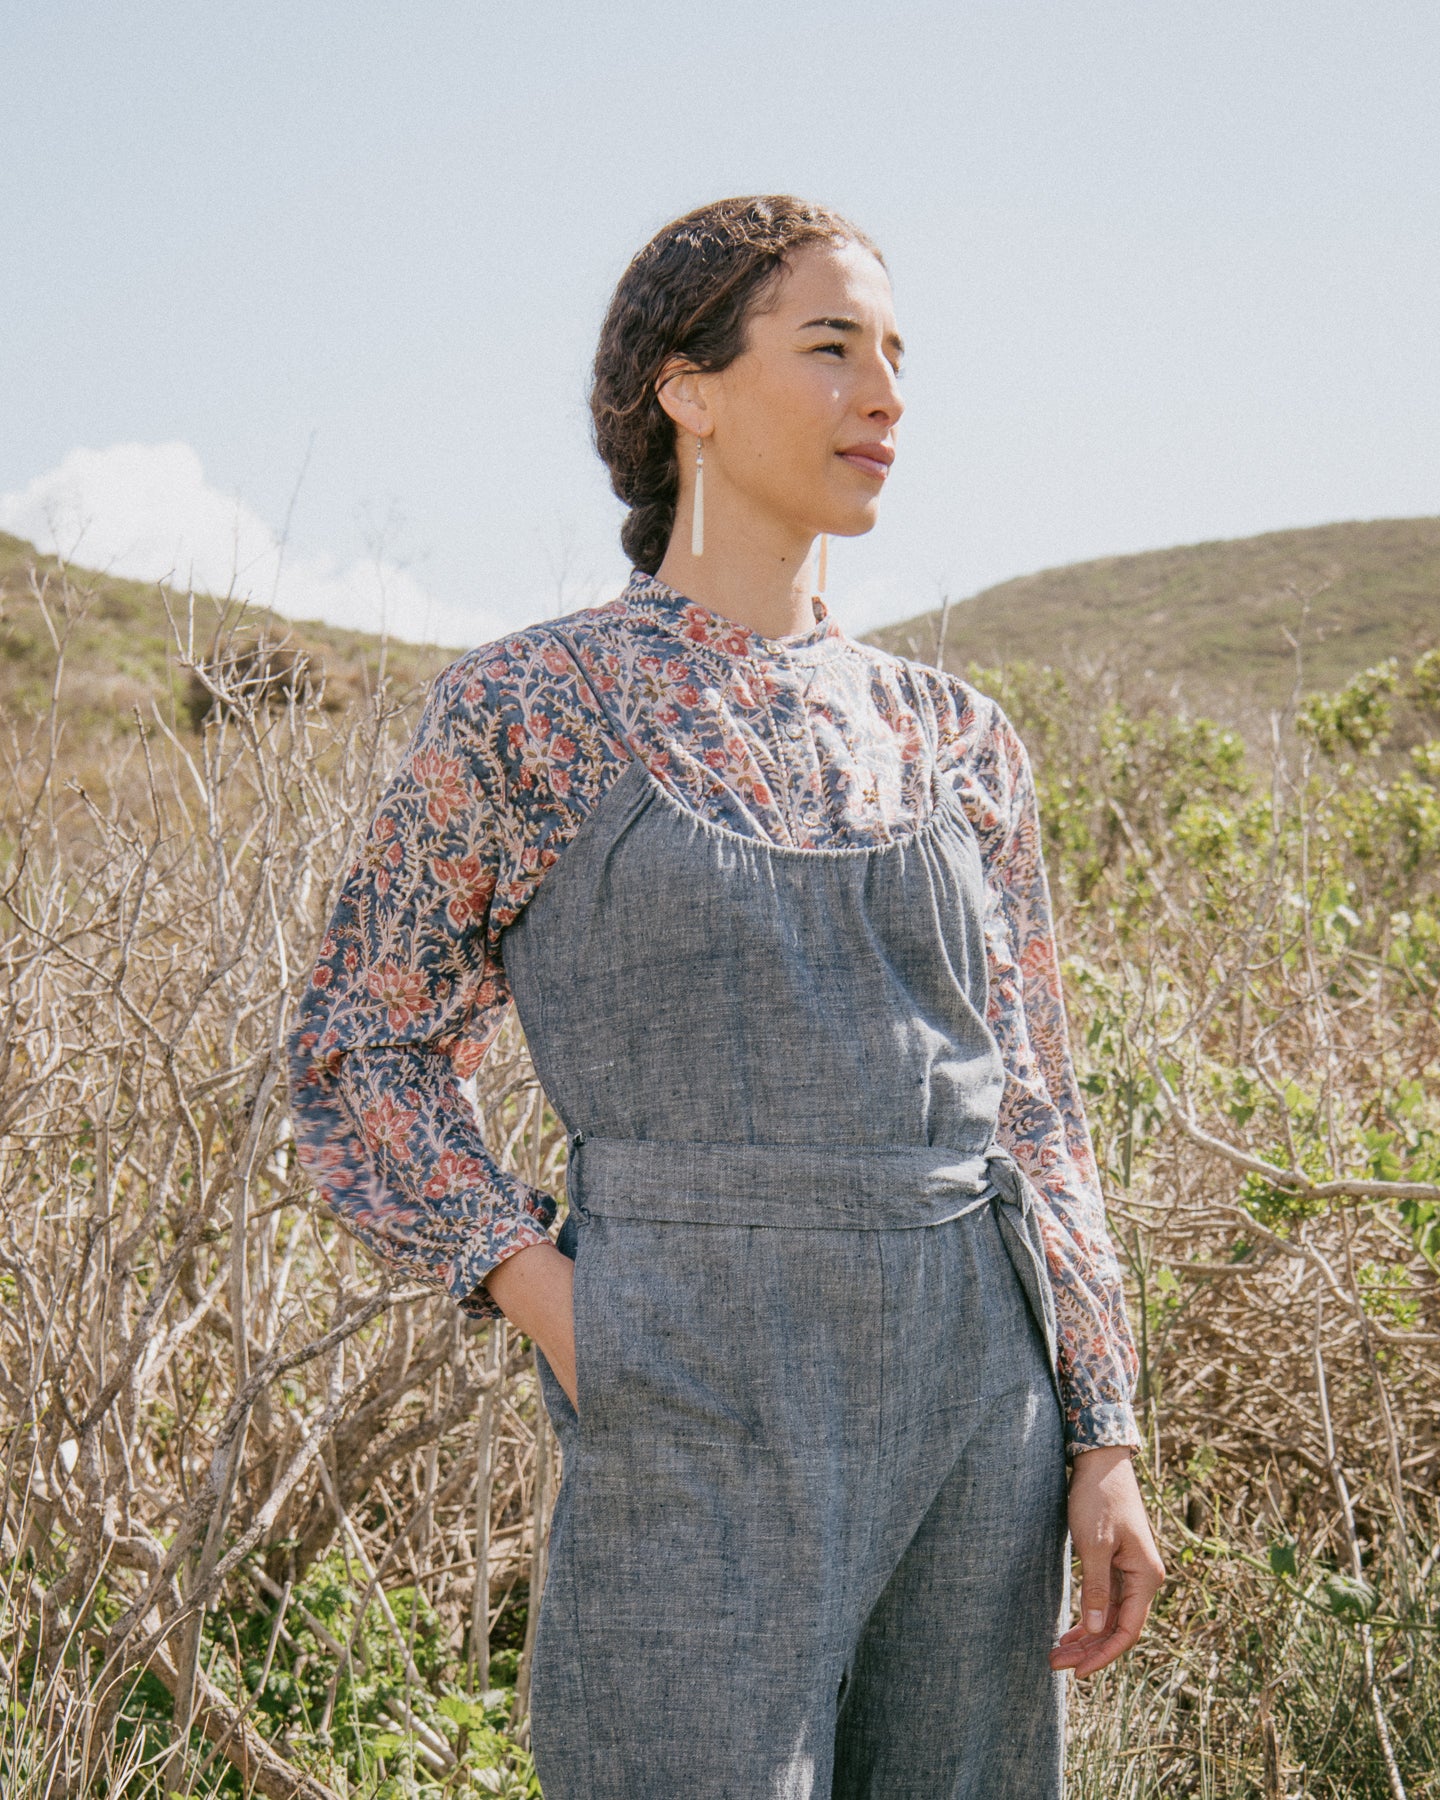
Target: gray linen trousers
[{"x": 810, "y": 1538}]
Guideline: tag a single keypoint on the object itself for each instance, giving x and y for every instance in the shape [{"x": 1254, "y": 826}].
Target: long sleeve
[
  {"x": 406, "y": 995},
  {"x": 1042, "y": 1122}
]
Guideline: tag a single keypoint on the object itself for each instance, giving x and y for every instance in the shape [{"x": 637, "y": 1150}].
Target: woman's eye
[{"x": 839, "y": 349}]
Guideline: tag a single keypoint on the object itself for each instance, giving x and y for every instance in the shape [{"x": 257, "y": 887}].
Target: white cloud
[{"x": 146, "y": 511}]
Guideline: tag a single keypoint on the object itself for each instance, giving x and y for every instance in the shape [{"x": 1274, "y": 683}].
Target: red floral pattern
[{"x": 806, "y": 741}]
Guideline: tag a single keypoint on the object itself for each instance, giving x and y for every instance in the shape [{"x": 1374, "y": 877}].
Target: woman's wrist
[
  {"x": 533, "y": 1287},
  {"x": 524, "y": 1284},
  {"x": 1101, "y": 1456}
]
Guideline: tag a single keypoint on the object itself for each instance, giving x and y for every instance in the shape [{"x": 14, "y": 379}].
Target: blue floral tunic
[{"x": 808, "y": 741}]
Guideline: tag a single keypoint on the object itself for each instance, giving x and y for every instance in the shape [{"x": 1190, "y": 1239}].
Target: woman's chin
[{"x": 853, "y": 524}]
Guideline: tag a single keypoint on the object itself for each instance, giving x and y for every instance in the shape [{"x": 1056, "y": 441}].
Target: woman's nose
[
  {"x": 885, "y": 400},
  {"x": 889, "y": 406}
]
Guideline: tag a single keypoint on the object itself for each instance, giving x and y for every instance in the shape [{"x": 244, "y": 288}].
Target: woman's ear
[{"x": 680, "y": 389}]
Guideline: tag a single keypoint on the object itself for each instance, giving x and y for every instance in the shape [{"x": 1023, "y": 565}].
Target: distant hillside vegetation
[
  {"x": 1206, "y": 624},
  {"x": 1202, "y": 627},
  {"x": 121, "y": 652}
]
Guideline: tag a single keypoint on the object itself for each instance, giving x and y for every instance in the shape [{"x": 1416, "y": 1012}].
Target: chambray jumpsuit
[{"x": 810, "y": 1539}]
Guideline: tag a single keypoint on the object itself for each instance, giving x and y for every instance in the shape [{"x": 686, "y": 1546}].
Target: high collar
[{"x": 649, "y": 598}]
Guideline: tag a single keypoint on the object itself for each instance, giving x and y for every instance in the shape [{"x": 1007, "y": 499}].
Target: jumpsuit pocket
[
  {"x": 972, "y": 1336},
  {"x": 681, "y": 1346}
]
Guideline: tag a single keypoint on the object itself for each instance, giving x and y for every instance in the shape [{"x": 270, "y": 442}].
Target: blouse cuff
[{"x": 1107, "y": 1425}]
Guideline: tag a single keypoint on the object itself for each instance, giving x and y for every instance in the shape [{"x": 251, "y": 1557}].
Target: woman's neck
[{"x": 766, "y": 588}]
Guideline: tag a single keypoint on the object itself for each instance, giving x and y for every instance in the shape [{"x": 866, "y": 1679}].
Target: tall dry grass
[
  {"x": 269, "y": 1519},
  {"x": 207, "y": 1394}
]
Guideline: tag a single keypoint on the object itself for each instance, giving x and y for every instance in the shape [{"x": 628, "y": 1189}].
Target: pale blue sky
[{"x": 1166, "y": 271}]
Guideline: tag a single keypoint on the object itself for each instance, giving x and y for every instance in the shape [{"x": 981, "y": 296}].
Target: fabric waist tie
[
  {"x": 792, "y": 1187},
  {"x": 814, "y": 1187}
]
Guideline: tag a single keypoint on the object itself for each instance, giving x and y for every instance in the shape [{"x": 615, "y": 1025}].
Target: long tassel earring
[{"x": 697, "y": 516}]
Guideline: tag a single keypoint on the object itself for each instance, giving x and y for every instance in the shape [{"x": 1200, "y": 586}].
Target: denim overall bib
[{"x": 810, "y": 1539}]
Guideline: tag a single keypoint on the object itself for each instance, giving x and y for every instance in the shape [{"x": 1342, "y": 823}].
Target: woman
[{"x": 833, "y": 1312}]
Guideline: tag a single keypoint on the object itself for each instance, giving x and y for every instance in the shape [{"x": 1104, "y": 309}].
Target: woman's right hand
[{"x": 534, "y": 1289}]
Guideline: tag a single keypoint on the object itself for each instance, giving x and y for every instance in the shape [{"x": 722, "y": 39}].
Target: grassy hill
[
  {"x": 121, "y": 651},
  {"x": 1207, "y": 624},
  {"x": 1204, "y": 627}
]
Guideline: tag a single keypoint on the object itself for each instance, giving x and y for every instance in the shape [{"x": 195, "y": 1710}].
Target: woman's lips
[{"x": 872, "y": 459}]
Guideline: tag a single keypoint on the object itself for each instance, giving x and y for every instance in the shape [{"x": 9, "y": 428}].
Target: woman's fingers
[
  {"x": 1085, "y": 1653},
  {"x": 1101, "y": 1585}
]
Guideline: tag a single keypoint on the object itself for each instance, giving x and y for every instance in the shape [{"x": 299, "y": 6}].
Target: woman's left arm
[
  {"x": 1042, "y": 1123},
  {"x": 1042, "y": 1118}
]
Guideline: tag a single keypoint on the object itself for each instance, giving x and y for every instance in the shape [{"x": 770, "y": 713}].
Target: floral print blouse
[{"x": 808, "y": 741}]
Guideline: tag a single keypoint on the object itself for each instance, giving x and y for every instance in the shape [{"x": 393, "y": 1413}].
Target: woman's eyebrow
[{"x": 892, "y": 342}]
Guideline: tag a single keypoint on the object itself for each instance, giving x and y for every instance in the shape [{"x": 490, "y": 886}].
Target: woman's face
[{"x": 800, "y": 429}]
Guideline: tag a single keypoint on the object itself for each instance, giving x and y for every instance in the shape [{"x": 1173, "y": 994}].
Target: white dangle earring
[{"x": 697, "y": 516}]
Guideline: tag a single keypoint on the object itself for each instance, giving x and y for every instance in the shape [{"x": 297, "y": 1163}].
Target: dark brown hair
[{"x": 690, "y": 293}]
